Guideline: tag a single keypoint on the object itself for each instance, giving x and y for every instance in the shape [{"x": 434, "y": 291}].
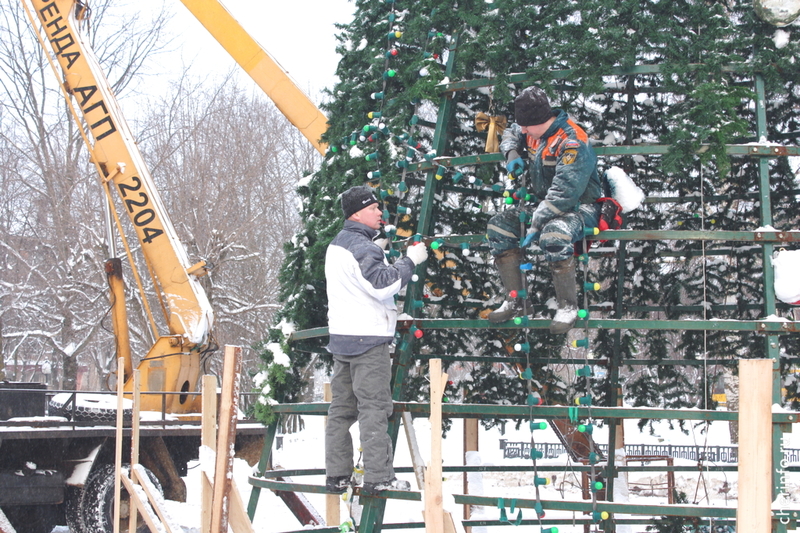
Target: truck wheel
[
  {"x": 32, "y": 518},
  {"x": 98, "y": 502},
  {"x": 88, "y": 408}
]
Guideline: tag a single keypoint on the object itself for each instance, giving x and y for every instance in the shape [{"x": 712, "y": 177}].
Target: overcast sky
[{"x": 299, "y": 34}]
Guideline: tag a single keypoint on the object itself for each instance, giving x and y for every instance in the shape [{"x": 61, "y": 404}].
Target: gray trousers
[{"x": 361, "y": 392}]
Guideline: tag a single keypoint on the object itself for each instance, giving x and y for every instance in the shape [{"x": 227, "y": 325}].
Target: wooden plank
[
  {"x": 137, "y": 389},
  {"x": 333, "y": 510},
  {"x": 413, "y": 447},
  {"x": 240, "y": 522},
  {"x": 471, "y": 434},
  {"x": 239, "y": 519},
  {"x": 434, "y": 510},
  {"x": 138, "y": 504},
  {"x": 208, "y": 438},
  {"x": 753, "y": 513},
  {"x": 153, "y": 498},
  {"x": 225, "y": 439},
  {"x": 118, "y": 444}
]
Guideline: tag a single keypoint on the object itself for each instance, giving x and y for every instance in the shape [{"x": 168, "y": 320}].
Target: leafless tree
[{"x": 226, "y": 164}]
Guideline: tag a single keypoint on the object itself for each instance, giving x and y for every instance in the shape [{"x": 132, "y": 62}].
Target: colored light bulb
[
  {"x": 590, "y": 286},
  {"x": 523, "y": 347},
  {"x": 538, "y": 425},
  {"x": 584, "y": 371},
  {"x": 583, "y": 313},
  {"x": 580, "y": 343},
  {"x": 583, "y": 400}
]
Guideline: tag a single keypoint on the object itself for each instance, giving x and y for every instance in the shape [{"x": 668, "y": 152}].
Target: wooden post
[
  {"x": 416, "y": 456},
  {"x": 225, "y": 439},
  {"x": 434, "y": 510},
  {"x": 332, "y": 508},
  {"x": 208, "y": 438},
  {"x": 118, "y": 444},
  {"x": 753, "y": 513},
  {"x": 470, "y": 445}
]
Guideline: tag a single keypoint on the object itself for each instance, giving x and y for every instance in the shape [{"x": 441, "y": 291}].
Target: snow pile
[
  {"x": 787, "y": 283},
  {"x": 624, "y": 190},
  {"x": 5, "y": 525}
]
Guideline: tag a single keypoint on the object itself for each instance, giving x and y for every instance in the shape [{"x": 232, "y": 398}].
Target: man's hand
[
  {"x": 516, "y": 166},
  {"x": 383, "y": 243},
  {"x": 533, "y": 235},
  {"x": 417, "y": 253}
]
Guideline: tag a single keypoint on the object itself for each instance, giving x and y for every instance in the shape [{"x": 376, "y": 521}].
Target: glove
[
  {"x": 516, "y": 166},
  {"x": 417, "y": 253},
  {"x": 383, "y": 243},
  {"x": 533, "y": 235}
]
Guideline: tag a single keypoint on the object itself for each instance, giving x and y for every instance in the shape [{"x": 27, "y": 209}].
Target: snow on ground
[{"x": 306, "y": 450}]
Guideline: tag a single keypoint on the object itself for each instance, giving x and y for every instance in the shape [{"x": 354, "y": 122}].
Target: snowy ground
[{"x": 305, "y": 450}]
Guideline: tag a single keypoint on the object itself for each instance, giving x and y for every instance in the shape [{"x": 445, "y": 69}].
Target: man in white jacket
[{"x": 362, "y": 316}]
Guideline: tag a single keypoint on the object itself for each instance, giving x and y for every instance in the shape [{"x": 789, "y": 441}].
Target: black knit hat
[
  {"x": 531, "y": 107},
  {"x": 355, "y": 199}
]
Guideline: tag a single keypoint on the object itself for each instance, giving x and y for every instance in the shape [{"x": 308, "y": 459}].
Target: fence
[{"x": 714, "y": 454}]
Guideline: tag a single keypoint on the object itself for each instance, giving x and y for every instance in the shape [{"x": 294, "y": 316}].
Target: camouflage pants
[{"x": 556, "y": 239}]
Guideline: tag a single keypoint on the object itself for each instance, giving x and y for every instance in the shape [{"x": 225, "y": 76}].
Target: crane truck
[{"x": 55, "y": 473}]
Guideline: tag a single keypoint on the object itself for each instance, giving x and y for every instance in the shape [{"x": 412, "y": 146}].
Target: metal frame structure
[{"x": 373, "y": 510}]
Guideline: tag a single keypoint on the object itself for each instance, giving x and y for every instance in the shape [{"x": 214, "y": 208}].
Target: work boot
[
  {"x": 508, "y": 263},
  {"x": 566, "y": 295},
  {"x": 337, "y": 484},
  {"x": 370, "y": 489}
]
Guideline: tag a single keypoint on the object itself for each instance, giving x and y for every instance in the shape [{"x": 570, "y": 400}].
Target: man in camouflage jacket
[{"x": 559, "y": 167}]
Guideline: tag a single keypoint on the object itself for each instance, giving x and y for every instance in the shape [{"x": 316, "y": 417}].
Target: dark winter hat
[
  {"x": 355, "y": 199},
  {"x": 531, "y": 107}
]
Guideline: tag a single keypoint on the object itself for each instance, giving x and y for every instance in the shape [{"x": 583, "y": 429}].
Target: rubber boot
[
  {"x": 566, "y": 295},
  {"x": 508, "y": 263}
]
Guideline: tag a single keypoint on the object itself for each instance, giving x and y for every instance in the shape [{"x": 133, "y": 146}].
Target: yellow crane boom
[
  {"x": 263, "y": 68},
  {"x": 173, "y": 363}
]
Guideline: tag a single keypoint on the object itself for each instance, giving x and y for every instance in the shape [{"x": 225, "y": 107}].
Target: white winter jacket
[{"x": 361, "y": 288}]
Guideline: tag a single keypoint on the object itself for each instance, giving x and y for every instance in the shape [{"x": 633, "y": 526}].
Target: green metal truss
[{"x": 373, "y": 510}]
